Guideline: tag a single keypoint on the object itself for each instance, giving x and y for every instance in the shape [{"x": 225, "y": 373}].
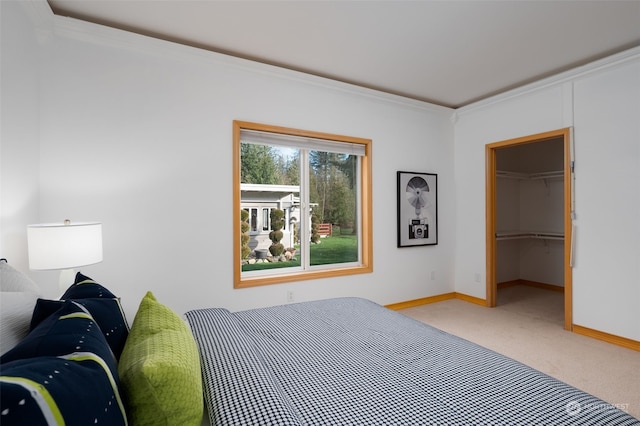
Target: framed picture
[{"x": 417, "y": 209}]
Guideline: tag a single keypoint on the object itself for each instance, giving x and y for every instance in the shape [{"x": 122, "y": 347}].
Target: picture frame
[{"x": 417, "y": 209}]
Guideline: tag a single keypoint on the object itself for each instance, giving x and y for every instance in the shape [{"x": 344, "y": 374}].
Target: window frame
[{"x": 365, "y": 219}]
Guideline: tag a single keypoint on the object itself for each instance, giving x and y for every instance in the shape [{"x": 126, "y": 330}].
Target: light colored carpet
[{"x": 527, "y": 325}]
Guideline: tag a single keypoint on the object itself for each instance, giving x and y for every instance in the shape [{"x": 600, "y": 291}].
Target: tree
[
  {"x": 291, "y": 168},
  {"x": 259, "y": 164},
  {"x": 320, "y": 163},
  {"x": 277, "y": 223},
  {"x": 341, "y": 204},
  {"x": 345, "y": 202},
  {"x": 333, "y": 187}
]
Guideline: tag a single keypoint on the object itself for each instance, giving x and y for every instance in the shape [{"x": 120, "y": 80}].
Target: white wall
[
  {"x": 607, "y": 136},
  {"x": 137, "y": 133},
  {"x": 18, "y": 132},
  {"x": 477, "y": 126},
  {"x": 602, "y": 102}
]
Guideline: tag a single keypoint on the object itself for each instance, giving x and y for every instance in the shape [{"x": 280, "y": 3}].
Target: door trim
[{"x": 490, "y": 159}]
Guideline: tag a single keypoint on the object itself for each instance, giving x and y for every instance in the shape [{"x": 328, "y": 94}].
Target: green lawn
[{"x": 336, "y": 249}]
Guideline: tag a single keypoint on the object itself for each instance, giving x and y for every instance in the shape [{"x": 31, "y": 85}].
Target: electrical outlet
[
  {"x": 433, "y": 275},
  {"x": 477, "y": 277},
  {"x": 290, "y": 296}
]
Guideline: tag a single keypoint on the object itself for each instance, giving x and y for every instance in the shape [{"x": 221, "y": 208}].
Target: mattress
[{"x": 349, "y": 361}]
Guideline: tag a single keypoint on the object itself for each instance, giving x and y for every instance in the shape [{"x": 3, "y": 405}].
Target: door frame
[{"x": 490, "y": 155}]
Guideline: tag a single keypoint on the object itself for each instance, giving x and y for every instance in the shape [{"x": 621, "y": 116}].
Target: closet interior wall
[{"x": 529, "y": 213}]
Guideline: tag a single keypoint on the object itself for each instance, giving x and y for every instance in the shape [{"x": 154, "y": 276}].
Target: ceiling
[{"x": 449, "y": 53}]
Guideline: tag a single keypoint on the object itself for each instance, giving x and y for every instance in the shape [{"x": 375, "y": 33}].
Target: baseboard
[
  {"x": 609, "y": 338},
  {"x": 434, "y": 299},
  {"x": 471, "y": 299},
  {"x": 578, "y": 329},
  {"x": 535, "y": 284},
  {"x": 421, "y": 301}
]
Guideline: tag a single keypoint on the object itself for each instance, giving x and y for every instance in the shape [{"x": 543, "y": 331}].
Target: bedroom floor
[{"x": 527, "y": 325}]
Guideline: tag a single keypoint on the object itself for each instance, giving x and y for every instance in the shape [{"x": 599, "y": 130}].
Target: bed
[{"x": 349, "y": 361}]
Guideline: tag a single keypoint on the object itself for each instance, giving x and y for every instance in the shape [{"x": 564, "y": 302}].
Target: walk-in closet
[{"x": 529, "y": 215}]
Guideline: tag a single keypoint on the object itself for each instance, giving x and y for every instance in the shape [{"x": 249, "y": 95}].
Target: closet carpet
[{"x": 527, "y": 325}]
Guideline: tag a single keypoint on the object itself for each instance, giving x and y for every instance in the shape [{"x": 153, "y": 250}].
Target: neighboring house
[{"x": 259, "y": 200}]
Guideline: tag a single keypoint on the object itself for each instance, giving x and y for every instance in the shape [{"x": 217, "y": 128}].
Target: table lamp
[{"x": 64, "y": 246}]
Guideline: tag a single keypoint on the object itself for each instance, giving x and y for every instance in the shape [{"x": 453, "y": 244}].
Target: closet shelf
[
  {"x": 530, "y": 176},
  {"x": 514, "y": 235}
]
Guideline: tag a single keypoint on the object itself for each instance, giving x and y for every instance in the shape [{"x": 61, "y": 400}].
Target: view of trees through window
[
  {"x": 304, "y": 200},
  {"x": 332, "y": 185}
]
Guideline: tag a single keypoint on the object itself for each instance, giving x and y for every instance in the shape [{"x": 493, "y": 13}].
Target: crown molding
[
  {"x": 555, "y": 80},
  {"x": 48, "y": 25},
  {"x": 87, "y": 32}
]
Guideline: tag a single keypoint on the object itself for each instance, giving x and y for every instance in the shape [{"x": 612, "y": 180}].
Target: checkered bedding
[{"x": 349, "y": 361}]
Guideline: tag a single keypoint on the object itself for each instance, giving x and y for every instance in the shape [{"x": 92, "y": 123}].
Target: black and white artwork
[{"x": 417, "y": 209}]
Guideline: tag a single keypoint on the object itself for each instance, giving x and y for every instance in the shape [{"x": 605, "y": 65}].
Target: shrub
[
  {"x": 315, "y": 237},
  {"x": 277, "y": 223},
  {"x": 244, "y": 237}
]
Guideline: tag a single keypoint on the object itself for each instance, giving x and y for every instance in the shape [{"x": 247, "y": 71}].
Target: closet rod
[
  {"x": 537, "y": 235},
  {"x": 529, "y": 176}
]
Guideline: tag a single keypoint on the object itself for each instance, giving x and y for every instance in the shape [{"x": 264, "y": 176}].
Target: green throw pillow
[{"x": 160, "y": 369}]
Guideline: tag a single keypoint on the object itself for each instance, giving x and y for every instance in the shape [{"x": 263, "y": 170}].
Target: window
[
  {"x": 253, "y": 219},
  {"x": 308, "y": 195},
  {"x": 265, "y": 219}
]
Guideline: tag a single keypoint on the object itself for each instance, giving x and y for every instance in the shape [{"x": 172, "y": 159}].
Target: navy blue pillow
[
  {"x": 108, "y": 314},
  {"x": 74, "y": 391},
  {"x": 64, "y": 369},
  {"x": 84, "y": 287},
  {"x": 101, "y": 303},
  {"x": 70, "y": 329}
]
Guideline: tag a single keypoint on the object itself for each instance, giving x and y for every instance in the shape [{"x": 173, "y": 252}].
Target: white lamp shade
[{"x": 64, "y": 246}]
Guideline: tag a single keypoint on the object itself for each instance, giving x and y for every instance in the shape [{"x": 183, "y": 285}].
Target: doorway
[{"x": 494, "y": 152}]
